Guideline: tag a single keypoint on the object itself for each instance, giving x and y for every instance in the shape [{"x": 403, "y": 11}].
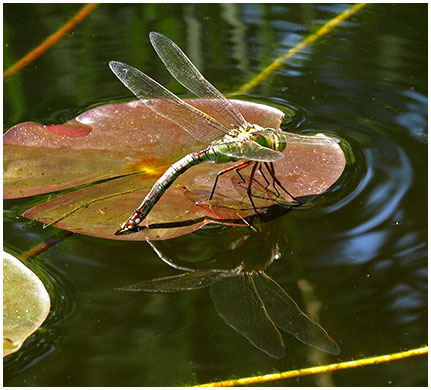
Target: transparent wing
[
  {"x": 238, "y": 302},
  {"x": 250, "y": 150},
  {"x": 317, "y": 140},
  {"x": 293, "y": 138},
  {"x": 189, "y": 76},
  {"x": 198, "y": 124},
  {"x": 288, "y": 316},
  {"x": 188, "y": 281}
]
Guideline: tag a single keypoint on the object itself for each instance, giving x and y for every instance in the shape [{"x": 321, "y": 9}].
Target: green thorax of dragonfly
[{"x": 238, "y": 138}]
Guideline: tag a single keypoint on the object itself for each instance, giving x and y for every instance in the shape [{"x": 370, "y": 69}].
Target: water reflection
[
  {"x": 244, "y": 295},
  {"x": 414, "y": 118}
]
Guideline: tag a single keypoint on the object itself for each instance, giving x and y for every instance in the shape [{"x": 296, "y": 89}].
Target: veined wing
[
  {"x": 249, "y": 150},
  {"x": 189, "y": 76},
  {"x": 293, "y": 138},
  {"x": 198, "y": 124}
]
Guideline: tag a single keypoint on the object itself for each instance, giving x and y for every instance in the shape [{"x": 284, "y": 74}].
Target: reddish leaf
[
  {"x": 111, "y": 141},
  {"x": 71, "y": 129}
]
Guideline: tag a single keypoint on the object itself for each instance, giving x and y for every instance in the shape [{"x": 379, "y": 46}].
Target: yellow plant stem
[
  {"x": 319, "y": 369},
  {"x": 328, "y": 27},
  {"x": 51, "y": 40}
]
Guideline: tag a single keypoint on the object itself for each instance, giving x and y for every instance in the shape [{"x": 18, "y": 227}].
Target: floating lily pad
[
  {"x": 132, "y": 147},
  {"x": 25, "y": 303}
]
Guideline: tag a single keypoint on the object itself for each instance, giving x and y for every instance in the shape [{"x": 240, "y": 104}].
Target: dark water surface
[{"x": 356, "y": 260}]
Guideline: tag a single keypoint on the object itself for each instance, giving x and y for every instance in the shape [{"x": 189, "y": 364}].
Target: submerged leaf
[{"x": 26, "y": 303}]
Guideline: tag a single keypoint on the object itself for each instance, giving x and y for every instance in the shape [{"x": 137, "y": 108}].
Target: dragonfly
[{"x": 230, "y": 137}]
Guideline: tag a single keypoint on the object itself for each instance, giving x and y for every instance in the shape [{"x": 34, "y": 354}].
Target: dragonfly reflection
[{"x": 250, "y": 302}]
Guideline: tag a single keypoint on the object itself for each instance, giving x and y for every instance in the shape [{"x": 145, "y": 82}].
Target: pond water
[{"x": 356, "y": 260}]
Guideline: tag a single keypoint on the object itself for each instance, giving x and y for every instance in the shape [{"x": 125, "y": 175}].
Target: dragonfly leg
[
  {"x": 261, "y": 172},
  {"x": 245, "y": 165},
  {"x": 252, "y": 173},
  {"x": 240, "y": 176},
  {"x": 263, "y": 175},
  {"x": 257, "y": 165},
  {"x": 271, "y": 170},
  {"x": 237, "y": 167}
]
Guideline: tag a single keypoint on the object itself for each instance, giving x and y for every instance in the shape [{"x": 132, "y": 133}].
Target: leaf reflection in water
[{"x": 250, "y": 302}]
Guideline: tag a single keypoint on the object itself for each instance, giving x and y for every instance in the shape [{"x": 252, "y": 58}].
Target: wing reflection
[
  {"x": 239, "y": 303},
  {"x": 189, "y": 281},
  {"x": 251, "y": 303},
  {"x": 287, "y": 315}
]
